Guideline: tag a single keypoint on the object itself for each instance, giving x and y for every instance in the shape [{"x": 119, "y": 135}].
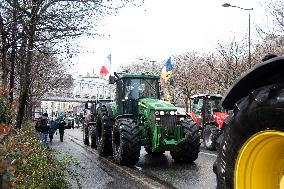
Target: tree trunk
[
  {"x": 13, "y": 53},
  {"x": 186, "y": 104},
  {"x": 4, "y": 76},
  {"x": 24, "y": 97}
]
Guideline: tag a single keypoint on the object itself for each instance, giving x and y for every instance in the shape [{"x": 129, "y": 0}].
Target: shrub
[{"x": 23, "y": 164}]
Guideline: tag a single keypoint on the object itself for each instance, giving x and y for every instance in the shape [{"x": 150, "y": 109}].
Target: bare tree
[{"x": 29, "y": 27}]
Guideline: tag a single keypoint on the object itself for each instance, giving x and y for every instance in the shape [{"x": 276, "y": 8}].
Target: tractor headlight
[
  {"x": 162, "y": 113},
  {"x": 181, "y": 119},
  {"x": 172, "y": 112},
  {"x": 158, "y": 119},
  {"x": 157, "y": 113}
]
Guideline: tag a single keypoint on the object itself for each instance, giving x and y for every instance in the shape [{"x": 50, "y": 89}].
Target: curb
[{"x": 142, "y": 179}]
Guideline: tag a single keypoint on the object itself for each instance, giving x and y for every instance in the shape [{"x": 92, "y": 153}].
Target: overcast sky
[{"x": 161, "y": 28}]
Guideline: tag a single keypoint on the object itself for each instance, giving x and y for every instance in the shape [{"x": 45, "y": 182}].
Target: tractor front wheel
[
  {"x": 103, "y": 135},
  {"x": 126, "y": 142},
  {"x": 93, "y": 137},
  {"x": 191, "y": 147},
  {"x": 86, "y": 134},
  {"x": 251, "y": 154},
  {"x": 210, "y": 135}
]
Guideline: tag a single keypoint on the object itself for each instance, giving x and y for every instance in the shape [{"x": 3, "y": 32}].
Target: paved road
[{"x": 150, "y": 172}]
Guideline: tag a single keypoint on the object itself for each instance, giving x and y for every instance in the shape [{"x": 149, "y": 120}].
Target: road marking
[
  {"x": 209, "y": 154},
  {"x": 148, "y": 182}
]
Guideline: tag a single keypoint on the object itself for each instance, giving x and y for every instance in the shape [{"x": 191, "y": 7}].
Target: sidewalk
[{"x": 93, "y": 173}]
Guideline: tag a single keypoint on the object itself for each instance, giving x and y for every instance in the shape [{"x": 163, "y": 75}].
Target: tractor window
[
  {"x": 197, "y": 105},
  {"x": 141, "y": 88},
  {"x": 214, "y": 106}
]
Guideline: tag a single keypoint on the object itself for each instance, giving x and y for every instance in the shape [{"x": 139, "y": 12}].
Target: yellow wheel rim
[{"x": 260, "y": 163}]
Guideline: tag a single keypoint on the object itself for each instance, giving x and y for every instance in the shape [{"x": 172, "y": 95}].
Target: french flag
[{"x": 106, "y": 67}]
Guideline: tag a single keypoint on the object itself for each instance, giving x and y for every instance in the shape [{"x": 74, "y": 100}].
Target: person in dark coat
[
  {"x": 53, "y": 126},
  {"x": 42, "y": 128},
  {"x": 61, "y": 127}
]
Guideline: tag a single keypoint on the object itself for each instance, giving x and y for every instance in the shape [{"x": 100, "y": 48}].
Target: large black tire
[
  {"x": 103, "y": 132},
  {"x": 149, "y": 151},
  {"x": 262, "y": 110},
  {"x": 93, "y": 137},
  {"x": 86, "y": 135},
  {"x": 191, "y": 147},
  {"x": 210, "y": 135},
  {"x": 126, "y": 142}
]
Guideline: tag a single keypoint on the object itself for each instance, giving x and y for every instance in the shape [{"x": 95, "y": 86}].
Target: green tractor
[{"x": 138, "y": 117}]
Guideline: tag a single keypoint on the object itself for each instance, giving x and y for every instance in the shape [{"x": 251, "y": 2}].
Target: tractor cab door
[
  {"x": 126, "y": 96},
  {"x": 197, "y": 107},
  {"x": 130, "y": 95}
]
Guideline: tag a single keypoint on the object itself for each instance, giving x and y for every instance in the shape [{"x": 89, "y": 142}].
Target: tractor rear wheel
[
  {"x": 191, "y": 147},
  {"x": 148, "y": 149},
  {"x": 103, "y": 134},
  {"x": 93, "y": 137},
  {"x": 210, "y": 134},
  {"x": 126, "y": 142},
  {"x": 86, "y": 134},
  {"x": 251, "y": 154}
]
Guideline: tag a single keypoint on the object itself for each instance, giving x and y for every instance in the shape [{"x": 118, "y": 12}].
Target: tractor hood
[{"x": 155, "y": 104}]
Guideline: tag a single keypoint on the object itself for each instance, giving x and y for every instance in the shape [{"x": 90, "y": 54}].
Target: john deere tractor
[
  {"x": 208, "y": 114},
  {"x": 251, "y": 152},
  {"x": 138, "y": 118}
]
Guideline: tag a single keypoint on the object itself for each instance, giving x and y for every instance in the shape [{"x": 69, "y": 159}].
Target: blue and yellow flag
[{"x": 167, "y": 70}]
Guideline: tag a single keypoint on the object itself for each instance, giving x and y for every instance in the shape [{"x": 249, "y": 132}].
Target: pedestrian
[
  {"x": 42, "y": 127},
  {"x": 61, "y": 127},
  {"x": 53, "y": 126},
  {"x": 77, "y": 120},
  {"x": 37, "y": 129}
]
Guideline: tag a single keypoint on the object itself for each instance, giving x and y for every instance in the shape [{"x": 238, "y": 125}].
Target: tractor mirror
[{"x": 111, "y": 79}]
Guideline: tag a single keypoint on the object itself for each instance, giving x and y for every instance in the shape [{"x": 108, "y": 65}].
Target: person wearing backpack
[{"x": 53, "y": 126}]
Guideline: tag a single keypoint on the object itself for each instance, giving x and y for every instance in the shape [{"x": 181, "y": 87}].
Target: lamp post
[
  {"x": 146, "y": 60},
  {"x": 229, "y": 5}
]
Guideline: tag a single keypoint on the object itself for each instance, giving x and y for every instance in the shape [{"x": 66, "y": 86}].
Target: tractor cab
[
  {"x": 207, "y": 113},
  {"x": 92, "y": 107},
  {"x": 132, "y": 87},
  {"x": 204, "y": 106}
]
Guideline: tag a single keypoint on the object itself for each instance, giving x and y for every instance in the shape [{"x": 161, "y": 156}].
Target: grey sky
[{"x": 161, "y": 28}]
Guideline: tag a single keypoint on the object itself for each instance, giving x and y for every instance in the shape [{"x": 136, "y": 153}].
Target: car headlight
[
  {"x": 172, "y": 112},
  {"x": 162, "y": 113}
]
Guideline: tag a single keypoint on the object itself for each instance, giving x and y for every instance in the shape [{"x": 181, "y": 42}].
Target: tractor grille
[{"x": 168, "y": 122}]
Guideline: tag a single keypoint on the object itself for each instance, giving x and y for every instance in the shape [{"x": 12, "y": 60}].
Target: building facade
[{"x": 89, "y": 86}]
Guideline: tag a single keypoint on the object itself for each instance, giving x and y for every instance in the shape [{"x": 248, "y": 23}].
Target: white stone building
[{"x": 90, "y": 86}]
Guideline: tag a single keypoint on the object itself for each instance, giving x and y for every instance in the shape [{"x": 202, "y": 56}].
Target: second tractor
[
  {"x": 138, "y": 117},
  {"x": 208, "y": 114}
]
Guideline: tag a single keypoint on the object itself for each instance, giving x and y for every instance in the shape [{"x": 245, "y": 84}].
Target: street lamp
[
  {"x": 229, "y": 5},
  {"x": 146, "y": 60}
]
